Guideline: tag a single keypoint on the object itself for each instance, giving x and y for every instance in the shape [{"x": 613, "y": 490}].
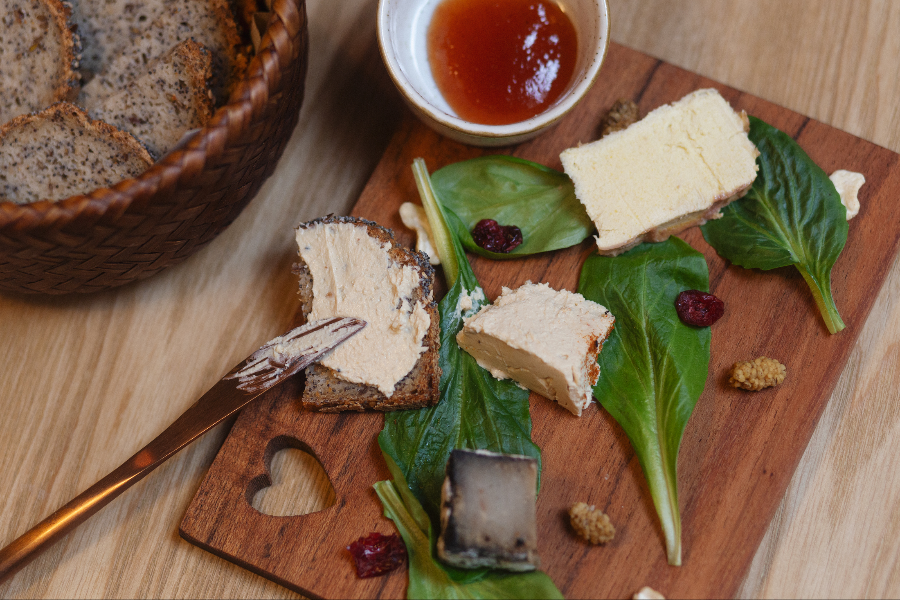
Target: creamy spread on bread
[
  {"x": 544, "y": 339},
  {"x": 673, "y": 169},
  {"x": 287, "y": 353},
  {"x": 354, "y": 276},
  {"x": 848, "y": 184}
]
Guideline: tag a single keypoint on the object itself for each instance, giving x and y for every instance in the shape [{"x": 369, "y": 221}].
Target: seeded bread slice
[
  {"x": 207, "y": 22},
  {"x": 106, "y": 25},
  {"x": 59, "y": 152},
  {"x": 38, "y": 56},
  {"x": 326, "y": 392},
  {"x": 171, "y": 98}
]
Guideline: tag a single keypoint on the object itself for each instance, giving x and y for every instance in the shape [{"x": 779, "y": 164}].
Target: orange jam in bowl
[{"x": 498, "y": 62}]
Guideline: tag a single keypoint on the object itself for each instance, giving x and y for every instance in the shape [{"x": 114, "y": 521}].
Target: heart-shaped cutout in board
[
  {"x": 296, "y": 483},
  {"x": 309, "y": 548}
]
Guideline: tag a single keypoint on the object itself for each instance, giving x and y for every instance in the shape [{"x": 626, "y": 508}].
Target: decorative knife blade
[{"x": 267, "y": 367}]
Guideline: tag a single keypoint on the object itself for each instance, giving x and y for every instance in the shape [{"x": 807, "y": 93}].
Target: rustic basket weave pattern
[{"x": 113, "y": 236}]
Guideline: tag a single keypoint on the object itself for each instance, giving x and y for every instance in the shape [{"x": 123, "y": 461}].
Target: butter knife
[{"x": 267, "y": 367}]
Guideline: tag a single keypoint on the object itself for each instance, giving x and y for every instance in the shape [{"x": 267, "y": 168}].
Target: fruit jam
[{"x": 501, "y": 61}]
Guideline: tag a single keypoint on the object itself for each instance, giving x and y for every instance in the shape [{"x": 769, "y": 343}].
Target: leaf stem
[
  {"x": 438, "y": 222},
  {"x": 671, "y": 524},
  {"x": 824, "y": 300},
  {"x": 664, "y": 491}
]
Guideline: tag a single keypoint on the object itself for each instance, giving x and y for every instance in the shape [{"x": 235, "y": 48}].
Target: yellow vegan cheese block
[{"x": 674, "y": 169}]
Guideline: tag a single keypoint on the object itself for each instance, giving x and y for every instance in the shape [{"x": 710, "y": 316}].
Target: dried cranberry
[
  {"x": 494, "y": 237},
  {"x": 699, "y": 308},
  {"x": 377, "y": 554}
]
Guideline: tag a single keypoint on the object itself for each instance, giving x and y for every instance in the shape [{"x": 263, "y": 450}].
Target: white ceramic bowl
[{"x": 402, "y": 36}]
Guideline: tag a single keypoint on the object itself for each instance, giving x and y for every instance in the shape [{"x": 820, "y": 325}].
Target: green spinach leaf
[
  {"x": 653, "y": 367},
  {"x": 428, "y": 578},
  {"x": 538, "y": 200},
  {"x": 792, "y": 216},
  {"x": 475, "y": 411}
]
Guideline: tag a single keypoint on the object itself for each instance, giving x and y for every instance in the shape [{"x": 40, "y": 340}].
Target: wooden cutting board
[{"x": 739, "y": 450}]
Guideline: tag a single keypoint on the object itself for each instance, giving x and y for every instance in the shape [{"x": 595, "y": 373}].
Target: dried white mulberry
[
  {"x": 622, "y": 114},
  {"x": 757, "y": 374},
  {"x": 591, "y": 523}
]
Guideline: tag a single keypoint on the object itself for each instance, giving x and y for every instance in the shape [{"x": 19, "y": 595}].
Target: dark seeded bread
[
  {"x": 59, "y": 152},
  {"x": 171, "y": 98},
  {"x": 327, "y": 393},
  {"x": 38, "y": 56},
  {"x": 207, "y": 22}
]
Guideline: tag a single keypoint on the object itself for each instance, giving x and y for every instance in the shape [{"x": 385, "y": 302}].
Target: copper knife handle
[{"x": 225, "y": 398}]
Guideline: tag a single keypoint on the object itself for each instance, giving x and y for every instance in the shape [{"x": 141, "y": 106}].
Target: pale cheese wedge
[
  {"x": 674, "y": 169},
  {"x": 544, "y": 339}
]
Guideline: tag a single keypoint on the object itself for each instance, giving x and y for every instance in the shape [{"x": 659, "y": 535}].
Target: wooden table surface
[{"x": 90, "y": 379}]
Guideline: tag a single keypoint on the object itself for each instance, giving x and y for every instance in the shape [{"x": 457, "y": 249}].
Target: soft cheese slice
[
  {"x": 544, "y": 339},
  {"x": 353, "y": 276},
  {"x": 848, "y": 184},
  {"x": 672, "y": 170},
  {"x": 413, "y": 217}
]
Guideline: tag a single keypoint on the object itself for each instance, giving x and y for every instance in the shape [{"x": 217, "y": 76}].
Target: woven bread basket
[{"x": 140, "y": 226}]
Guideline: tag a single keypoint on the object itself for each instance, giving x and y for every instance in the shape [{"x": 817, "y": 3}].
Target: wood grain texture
[
  {"x": 222, "y": 520},
  {"x": 89, "y": 380},
  {"x": 739, "y": 450},
  {"x": 292, "y": 470}
]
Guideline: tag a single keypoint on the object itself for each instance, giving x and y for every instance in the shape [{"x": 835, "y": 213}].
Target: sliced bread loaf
[
  {"x": 350, "y": 265},
  {"x": 59, "y": 152},
  {"x": 38, "y": 56},
  {"x": 107, "y": 25},
  {"x": 207, "y": 22},
  {"x": 171, "y": 98}
]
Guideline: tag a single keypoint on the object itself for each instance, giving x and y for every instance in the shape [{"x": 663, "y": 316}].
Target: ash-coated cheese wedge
[
  {"x": 544, "y": 339},
  {"x": 488, "y": 511},
  {"x": 676, "y": 168}
]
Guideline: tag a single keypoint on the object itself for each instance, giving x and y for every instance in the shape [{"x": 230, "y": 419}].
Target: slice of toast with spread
[{"x": 353, "y": 265}]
